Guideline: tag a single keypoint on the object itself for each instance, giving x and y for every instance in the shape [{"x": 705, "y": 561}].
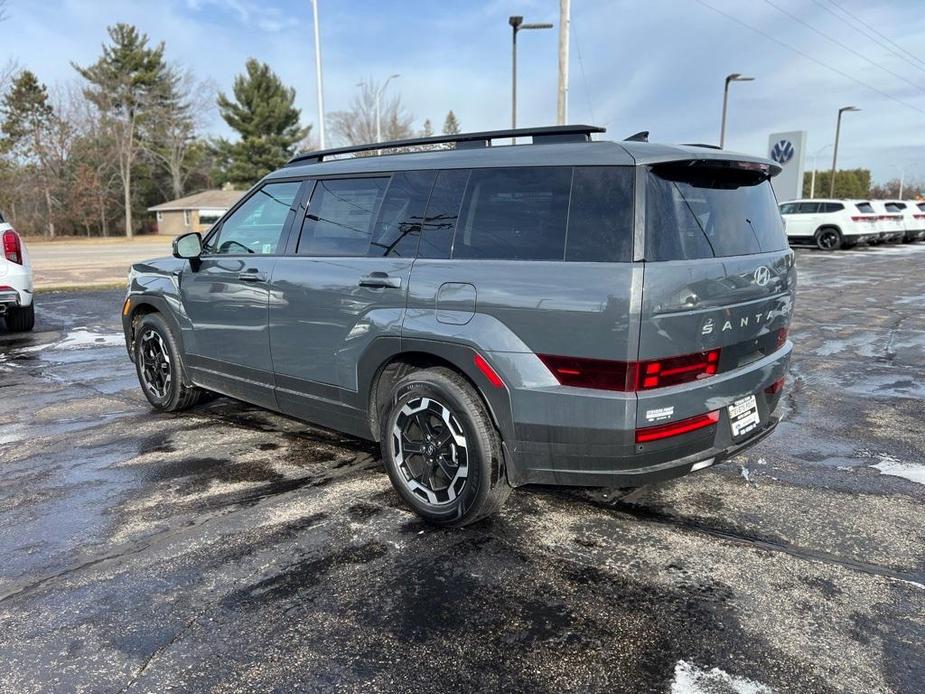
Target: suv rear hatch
[{"x": 718, "y": 290}]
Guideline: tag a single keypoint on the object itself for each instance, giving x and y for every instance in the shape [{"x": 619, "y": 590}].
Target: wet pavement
[{"x": 228, "y": 548}]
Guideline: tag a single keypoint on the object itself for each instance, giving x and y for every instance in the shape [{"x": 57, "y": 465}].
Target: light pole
[
  {"x": 835, "y": 151},
  {"x": 318, "y": 86},
  {"x": 734, "y": 77},
  {"x": 565, "y": 24},
  {"x": 812, "y": 180},
  {"x": 517, "y": 24},
  {"x": 379, "y": 92}
]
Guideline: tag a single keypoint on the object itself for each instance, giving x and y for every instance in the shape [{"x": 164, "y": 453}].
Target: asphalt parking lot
[{"x": 230, "y": 549}]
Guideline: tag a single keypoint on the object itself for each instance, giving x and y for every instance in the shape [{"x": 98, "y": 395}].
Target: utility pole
[
  {"x": 812, "y": 180},
  {"x": 318, "y": 84},
  {"x": 565, "y": 25},
  {"x": 517, "y": 23},
  {"x": 835, "y": 151},
  {"x": 734, "y": 77}
]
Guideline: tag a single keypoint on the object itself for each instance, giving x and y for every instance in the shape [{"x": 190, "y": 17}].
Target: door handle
[
  {"x": 380, "y": 280},
  {"x": 252, "y": 275}
]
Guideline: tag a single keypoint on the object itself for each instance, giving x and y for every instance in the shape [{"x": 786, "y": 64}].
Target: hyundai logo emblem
[
  {"x": 782, "y": 151},
  {"x": 762, "y": 276}
]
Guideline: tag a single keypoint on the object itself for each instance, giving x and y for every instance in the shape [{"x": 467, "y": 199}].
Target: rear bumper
[
  {"x": 9, "y": 298},
  {"x": 589, "y": 440}
]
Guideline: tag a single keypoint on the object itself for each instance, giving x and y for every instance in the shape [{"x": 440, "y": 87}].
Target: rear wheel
[
  {"x": 828, "y": 239},
  {"x": 20, "y": 319},
  {"x": 441, "y": 450},
  {"x": 159, "y": 367}
]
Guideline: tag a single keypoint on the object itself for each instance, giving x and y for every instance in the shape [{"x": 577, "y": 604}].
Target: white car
[
  {"x": 830, "y": 224},
  {"x": 913, "y": 214},
  {"x": 16, "y": 306},
  {"x": 890, "y": 222}
]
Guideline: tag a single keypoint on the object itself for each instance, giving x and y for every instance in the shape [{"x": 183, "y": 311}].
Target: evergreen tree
[
  {"x": 28, "y": 120},
  {"x": 264, "y": 115},
  {"x": 127, "y": 83},
  {"x": 451, "y": 125}
]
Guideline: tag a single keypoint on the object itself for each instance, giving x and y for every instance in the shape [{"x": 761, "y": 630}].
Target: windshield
[{"x": 706, "y": 212}]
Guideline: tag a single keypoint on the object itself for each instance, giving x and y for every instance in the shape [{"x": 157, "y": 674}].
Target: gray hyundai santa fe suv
[{"x": 566, "y": 312}]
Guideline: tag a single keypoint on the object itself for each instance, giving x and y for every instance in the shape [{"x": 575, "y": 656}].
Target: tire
[
  {"x": 20, "y": 319},
  {"x": 828, "y": 239},
  {"x": 159, "y": 366},
  {"x": 458, "y": 476}
]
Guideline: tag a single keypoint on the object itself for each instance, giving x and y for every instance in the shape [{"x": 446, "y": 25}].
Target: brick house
[{"x": 197, "y": 212}]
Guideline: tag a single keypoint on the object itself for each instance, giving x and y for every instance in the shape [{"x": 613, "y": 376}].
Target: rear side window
[
  {"x": 865, "y": 207},
  {"x": 788, "y": 208},
  {"x": 442, "y": 213},
  {"x": 807, "y": 208},
  {"x": 399, "y": 224},
  {"x": 831, "y": 207},
  {"x": 340, "y": 216},
  {"x": 515, "y": 214},
  {"x": 704, "y": 212},
  {"x": 893, "y": 207},
  {"x": 921, "y": 206},
  {"x": 600, "y": 219}
]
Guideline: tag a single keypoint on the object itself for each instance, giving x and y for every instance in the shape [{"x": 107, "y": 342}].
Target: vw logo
[
  {"x": 782, "y": 151},
  {"x": 762, "y": 276}
]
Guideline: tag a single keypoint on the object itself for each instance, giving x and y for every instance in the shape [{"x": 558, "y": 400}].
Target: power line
[
  {"x": 841, "y": 45},
  {"x": 885, "y": 38},
  {"x": 809, "y": 57},
  {"x": 863, "y": 32}
]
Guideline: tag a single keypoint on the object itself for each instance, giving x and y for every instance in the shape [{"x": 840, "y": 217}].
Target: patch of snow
[
  {"x": 746, "y": 474},
  {"x": 77, "y": 339},
  {"x": 889, "y": 465},
  {"x": 690, "y": 679}
]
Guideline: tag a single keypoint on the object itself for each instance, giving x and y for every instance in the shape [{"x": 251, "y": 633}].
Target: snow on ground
[
  {"x": 691, "y": 679},
  {"x": 889, "y": 465}
]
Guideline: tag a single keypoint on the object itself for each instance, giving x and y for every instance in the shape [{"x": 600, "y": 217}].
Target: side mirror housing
[{"x": 188, "y": 246}]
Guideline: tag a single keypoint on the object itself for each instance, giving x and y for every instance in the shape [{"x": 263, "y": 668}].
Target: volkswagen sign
[{"x": 782, "y": 151}]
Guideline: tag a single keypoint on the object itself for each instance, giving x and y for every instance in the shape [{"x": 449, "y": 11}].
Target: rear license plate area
[{"x": 743, "y": 416}]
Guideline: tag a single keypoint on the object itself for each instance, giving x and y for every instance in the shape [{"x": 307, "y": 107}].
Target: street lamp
[
  {"x": 318, "y": 86},
  {"x": 812, "y": 180},
  {"x": 734, "y": 77},
  {"x": 835, "y": 151},
  {"x": 517, "y": 24}
]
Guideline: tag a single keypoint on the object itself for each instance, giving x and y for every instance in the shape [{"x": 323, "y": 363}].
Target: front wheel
[
  {"x": 441, "y": 449},
  {"x": 828, "y": 239},
  {"x": 157, "y": 362},
  {"x": 20, "y": 319}
]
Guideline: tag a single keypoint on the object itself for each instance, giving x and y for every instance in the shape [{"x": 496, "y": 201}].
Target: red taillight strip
[
  {"x": 12, "y": 246},
  {"x": 487, "y": 371},
  {"x": 775, "y": 387},
  {"x": 683, "y": 426}
]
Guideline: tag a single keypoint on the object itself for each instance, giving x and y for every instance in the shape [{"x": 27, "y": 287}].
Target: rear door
[
  {"x": 718, "y": 276},
  {"x": 343, "y": 285}
]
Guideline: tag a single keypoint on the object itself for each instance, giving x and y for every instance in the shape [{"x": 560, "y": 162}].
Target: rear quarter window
[
  {"x": 704, "y": 212},
  {"x": 865, "y": 207}
]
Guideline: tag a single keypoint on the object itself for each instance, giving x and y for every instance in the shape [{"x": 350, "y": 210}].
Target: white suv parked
[
  {"x": 890, "y": 222},
  {"x": 913, "y": 214},
  {"x": 829, "y": 224},
  {"x": 15, "y": 281}
]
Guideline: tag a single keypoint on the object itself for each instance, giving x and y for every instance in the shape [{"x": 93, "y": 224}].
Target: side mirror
[{"x": 188, "y": 246}]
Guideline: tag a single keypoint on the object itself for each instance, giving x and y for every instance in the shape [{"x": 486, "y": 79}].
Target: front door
[
  {"x": 344, "y": 287},
  {"x": 225, "y": 295}
]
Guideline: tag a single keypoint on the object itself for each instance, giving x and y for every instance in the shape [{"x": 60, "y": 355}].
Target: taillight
[
  {"x": 676, "y": 370},
  {"x": 604, "y": 374},
  {"x": 600, "y": 374},
  {"x": 780, "y": 337},
  {"x": 775, "y": 387},
  {"x": 683, "y": 426},
  {"x": 12, "y": 247}
]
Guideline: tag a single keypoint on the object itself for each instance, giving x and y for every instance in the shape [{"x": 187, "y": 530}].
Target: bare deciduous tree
[{"x": 357, "y": 125}]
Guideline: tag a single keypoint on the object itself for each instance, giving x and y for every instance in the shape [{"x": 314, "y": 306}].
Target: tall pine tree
[
  {"x": 28, "y": 119},
  {"x": 264, "y": 115},
  {"x": 451, "y": 125},
  {"x": 127, "y": 83}
]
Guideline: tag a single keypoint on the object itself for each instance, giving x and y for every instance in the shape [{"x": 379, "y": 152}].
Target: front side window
[
  {"x": 808, "y": 208},
  {"x": 257, "y": 225},
  {"x": 514, "y": 214},
  {"x": 341, "y": 215},
  {"x": 709, "y": 211}
]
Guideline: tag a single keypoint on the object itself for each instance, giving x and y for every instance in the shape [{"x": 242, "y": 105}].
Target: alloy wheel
[
  {"x": 155, "y": 364},
  {"x": 430, "y": 451},
  {"x": 828, "y": 239}
]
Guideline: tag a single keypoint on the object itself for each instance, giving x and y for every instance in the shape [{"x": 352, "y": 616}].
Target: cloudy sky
[{"x": 653, "y": 65}]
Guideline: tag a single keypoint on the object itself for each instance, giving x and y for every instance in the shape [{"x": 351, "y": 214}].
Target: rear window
[
  {"x": 921, "y": 206},
  {"x": 707, "y": 212},
  {"x": 893, "y": 207},
  {"x": 865, "y": 207}
]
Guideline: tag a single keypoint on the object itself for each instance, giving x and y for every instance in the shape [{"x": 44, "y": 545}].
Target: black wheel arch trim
[{"x": 159, "y": 305}]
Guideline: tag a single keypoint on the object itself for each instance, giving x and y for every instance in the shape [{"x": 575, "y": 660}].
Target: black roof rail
[
  {"x": 641, "y": 136},
  {"x": 544, "y": 135},
  {"x": 699, "y": 144}
]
